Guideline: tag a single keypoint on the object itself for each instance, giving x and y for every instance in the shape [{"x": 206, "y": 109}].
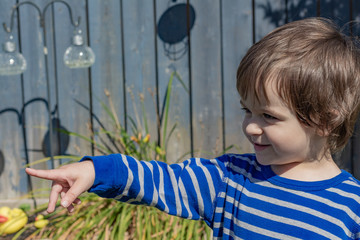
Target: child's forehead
[{"x": 266, "y": 94}]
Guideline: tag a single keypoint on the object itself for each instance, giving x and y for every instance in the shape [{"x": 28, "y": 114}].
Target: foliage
[{"x": 98, "y": 218}]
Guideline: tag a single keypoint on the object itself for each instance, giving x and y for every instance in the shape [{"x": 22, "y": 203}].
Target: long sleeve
[
  {"x": 236, "y": 196},
  {"x": 187, "y": 189}
]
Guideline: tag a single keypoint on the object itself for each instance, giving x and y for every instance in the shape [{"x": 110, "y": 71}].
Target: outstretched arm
[
  {"x": 188, "y": 189},
  {"x": 69, "y": 181}
]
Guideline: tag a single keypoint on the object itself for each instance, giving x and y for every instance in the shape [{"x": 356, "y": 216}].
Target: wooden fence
[{"x": 138, "y": 45}]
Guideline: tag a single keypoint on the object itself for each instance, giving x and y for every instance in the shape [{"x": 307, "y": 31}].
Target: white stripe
[
  {"x": 155, "y": 197},
  {"x": 230, "y": 233},
  {"x": 185, "y": 198},
  {"x": 313, "y": 197},
  {"x": 251, "y": 228},
  {"x": 250, "y": 161},
  {"x": 273, "y": 217},
  {"x": 175, "y": 186},
  {"x": 259, "y": 230},
  {"x": 130, "y": 178},
  {"x": 289, "y": 221},
  {"x": 234, "y": 184},
  {"x": 290, "y": 205},
  {"x": 140, "y": 195},
  {"x": 162, "y": 188},
  {"x": 243, "y": 172},
  {"x": 352, "y": 183},
  {"x": 300, "y": 208},
  {"x": 208, "y": 178},
  {"x": 342, "y": 193},
  {"x": 197, "y": 190},
  {"x": 216, "y": 163}
]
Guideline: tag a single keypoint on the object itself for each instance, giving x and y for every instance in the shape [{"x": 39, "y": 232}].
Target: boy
[{"x": 300, "y": 90}]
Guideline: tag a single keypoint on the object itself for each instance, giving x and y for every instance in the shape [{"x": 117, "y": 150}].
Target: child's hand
[{"x": 69, "y": 182}]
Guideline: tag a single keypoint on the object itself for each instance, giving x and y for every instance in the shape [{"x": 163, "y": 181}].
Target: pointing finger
[{"x": 52, "y": 174}]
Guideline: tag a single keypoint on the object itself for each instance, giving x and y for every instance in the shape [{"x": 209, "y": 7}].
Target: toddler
[{"x": 300, "y": 90}]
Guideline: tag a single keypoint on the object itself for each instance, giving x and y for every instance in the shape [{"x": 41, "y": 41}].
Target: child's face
[{"x": 276, "y": 133}]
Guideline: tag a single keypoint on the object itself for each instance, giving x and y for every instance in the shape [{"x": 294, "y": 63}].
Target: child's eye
[
  {"x": 246, "y": 110},
  {"x": 267, "y": 116}
]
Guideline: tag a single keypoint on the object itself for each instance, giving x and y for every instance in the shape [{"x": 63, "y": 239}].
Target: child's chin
[
  {"x": 265, "y": 157},
  {"x": 263, "y": 160}
]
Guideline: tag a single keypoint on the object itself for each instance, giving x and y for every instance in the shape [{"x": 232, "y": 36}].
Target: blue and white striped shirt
[{"x": 236, "y": 196}]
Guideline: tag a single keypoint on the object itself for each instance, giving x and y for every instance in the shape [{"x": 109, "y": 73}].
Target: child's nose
[{"x": 252, "y": 127}]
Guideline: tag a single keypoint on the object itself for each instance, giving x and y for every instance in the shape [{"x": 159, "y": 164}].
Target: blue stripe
[{"x": 236, "y": 196}]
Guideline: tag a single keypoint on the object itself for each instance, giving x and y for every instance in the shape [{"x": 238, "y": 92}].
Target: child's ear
[
  {"x": 323, "y": 132},
  {"x": 333, "y": 121}
]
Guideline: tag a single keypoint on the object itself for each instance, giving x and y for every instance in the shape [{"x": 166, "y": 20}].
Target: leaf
[
  {"x": 76, "y": 158},
  {"x": 167, "y": 105}
]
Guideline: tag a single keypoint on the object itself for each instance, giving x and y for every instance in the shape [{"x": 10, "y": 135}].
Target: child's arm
[
  {"x": 69, "y": 182},
  {"x": 187, "y": 189}
]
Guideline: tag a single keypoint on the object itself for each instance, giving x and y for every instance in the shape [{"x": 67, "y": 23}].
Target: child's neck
[{"x": 316, "y": 170}]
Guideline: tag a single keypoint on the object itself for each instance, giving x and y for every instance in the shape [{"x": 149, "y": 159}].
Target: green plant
[{"x": 102, "y": 218}]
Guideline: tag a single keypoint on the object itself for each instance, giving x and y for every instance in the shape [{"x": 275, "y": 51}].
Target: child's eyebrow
[{"x": 266, "y": 109}]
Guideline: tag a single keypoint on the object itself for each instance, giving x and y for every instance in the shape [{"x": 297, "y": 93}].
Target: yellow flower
[
  {"x": 133, "y": 138},
  {"x": 160, "y": 151},
  {"x": 146, "y": 138}
]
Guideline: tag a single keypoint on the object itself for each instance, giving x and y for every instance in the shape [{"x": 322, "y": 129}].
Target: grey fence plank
[
  {"x": 355, "y": 151},
  {"x": 52, "y": 99},
  {"x": 12, "y": 157},
  {"x": 206, "y": 80},
  {"x": 13, "y": 179},
  {"x": 336, "y": 10},
  {"x": 139, "y": 52},
  {"x": 107, "y": 73},
  {"x": 169, "y": 62},
  {"x": 73, "y": 84},
  {"x": 300, "y": 9},
  {"x": 356, "y": 17},
  {"x": 269, "y": 14},
  {"x": 237, "y": 39},
  {"x": 356, "y": 136},
  {"x": 35, "y": 94}
]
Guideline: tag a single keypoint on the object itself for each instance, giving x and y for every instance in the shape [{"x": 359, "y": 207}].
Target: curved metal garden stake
[
  {"x": 41, "y": 14},
  {"x": 42, "y": 25}
]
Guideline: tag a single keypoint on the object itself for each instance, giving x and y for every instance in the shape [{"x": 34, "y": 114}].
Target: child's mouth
[{"x": 260, "y": 147}]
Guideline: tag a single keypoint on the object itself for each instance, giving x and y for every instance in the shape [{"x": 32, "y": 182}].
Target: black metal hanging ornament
[
  {"x": 59, "y": 142},
  {"x": 2, "y": 162},
  {"x": 174, "y": 26}
]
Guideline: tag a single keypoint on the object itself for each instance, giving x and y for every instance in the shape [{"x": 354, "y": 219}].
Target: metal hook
[
  {"x": 15, "y": 7},
  {"x": 75, "y": 24},
  {"x": 41, "y": 14}
]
